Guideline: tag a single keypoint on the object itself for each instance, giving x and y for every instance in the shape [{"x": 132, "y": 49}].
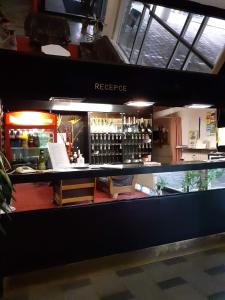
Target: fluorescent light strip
[
  {"x": 139, "y": 103},
  {"x": 92, "y": 107},
  {"x": 199, "y": 106},
  {"x": 57, "y": 99}
]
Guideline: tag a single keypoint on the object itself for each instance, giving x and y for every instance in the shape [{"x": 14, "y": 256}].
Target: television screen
[{"x": 221, "y": 136}]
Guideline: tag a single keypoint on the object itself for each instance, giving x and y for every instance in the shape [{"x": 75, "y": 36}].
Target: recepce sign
[{"x": 111, "y": 87}]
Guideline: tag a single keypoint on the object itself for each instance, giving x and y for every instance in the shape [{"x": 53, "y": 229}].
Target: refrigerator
[{"x": 26, "y": 133}]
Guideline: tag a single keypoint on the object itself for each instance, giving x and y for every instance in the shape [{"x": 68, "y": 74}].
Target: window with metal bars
[{"x": 157, "y": 36}]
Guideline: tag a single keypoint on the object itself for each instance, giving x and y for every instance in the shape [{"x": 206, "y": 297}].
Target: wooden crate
[{"x": 74, "y": 190}]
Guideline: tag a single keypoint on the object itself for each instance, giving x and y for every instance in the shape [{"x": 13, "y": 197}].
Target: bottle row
[
  {"x": 106, "y": 125},
  {"x": 26, "y": 138},
  {"x": 38, "y": 159},
  {"x": 134, "y": 125},
  {"x": 106, "y": 148},
  {"x": 126, "y": 124},
  {"x": 97, "y": 138},
  {"x": 77, "y": 157},
  {"x": 106, "y": 159},
  {"x": 106, "y": 137}
]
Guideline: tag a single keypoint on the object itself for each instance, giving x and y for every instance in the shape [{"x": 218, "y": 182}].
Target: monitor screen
[{"x": 221, "y": 136}]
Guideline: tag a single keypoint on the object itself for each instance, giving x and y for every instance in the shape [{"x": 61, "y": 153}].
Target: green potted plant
[
  {"x": 204, "y": 182},
  {"x": 160, "y": 185},
  {"x": 189, "y": 181},
  {"x": 6, "y": 187}
]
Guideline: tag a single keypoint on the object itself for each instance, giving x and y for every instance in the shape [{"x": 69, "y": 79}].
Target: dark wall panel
[
  {"x": 43, "y": 238},
  {"x": 28, "y": 77}
]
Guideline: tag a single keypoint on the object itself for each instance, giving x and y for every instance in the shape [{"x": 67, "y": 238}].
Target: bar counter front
[{"x": 158, "y": 210}]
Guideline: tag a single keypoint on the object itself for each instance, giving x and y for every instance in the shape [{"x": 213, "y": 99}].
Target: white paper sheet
[{"x": 58, "y": 156}]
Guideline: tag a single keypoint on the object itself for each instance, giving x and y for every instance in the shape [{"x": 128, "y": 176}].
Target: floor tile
[
  {"x": 170, "y": 283},
  {"x": 218, "y": 296},
  {"x": 85, "y": 293},
  {"x": 107, "y": 283},
  {"x": 184, "y": 292},
  {"x": 125, "y": 295},
  {"x": 130, "y": 271},
  {"x": 76, "y": 284},
  {"x": 203, "y": 282},
  {"x": 175, "y": 260},
  {"x": 216, "y": 270},
  {"x": 161, "y": 272},
  {"x": 45, "y": 292},
  {"x": 214, "y": 251},
  {"x": 142, "y": 287},
  {"x": 203, "y": 261}
]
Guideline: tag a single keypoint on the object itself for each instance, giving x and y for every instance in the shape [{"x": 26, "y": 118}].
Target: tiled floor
[{"x": 196, "y": 273}]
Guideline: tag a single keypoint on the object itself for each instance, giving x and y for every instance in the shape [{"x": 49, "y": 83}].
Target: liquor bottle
[
  {"x": 20, "y": 158},
  {"x": 104, "y": 154},
  {"x": 129, "y": 128},
  {"x": 41, "y": 160},
  {"x": 36, "y": 140},
  {"x": 135, "y": 125},
  {"x": 149, "y": 127},
  {"x": 12, "y": 138},
  {"x": 17, "y": 139},
  {"x": 100, "y": 155},
  {"x": 30, "y": 140},
  {"x": 80, "y": 159},
  {"x": 100, "y": 147},
  {"x": 104, "y": 138},
  {"x": 142, "y": 125},
  {"x": 139, "y": 126},
  {"x": 75, "y": 157},
  {"x": 124, "y": 124}
]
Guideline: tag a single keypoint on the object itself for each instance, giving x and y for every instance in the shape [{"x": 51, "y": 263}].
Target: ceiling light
[
  {"x": 198, "y": 106},
  {"x": 139, "y": 103}
]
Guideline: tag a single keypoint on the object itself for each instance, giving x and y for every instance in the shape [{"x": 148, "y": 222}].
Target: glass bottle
[
  {"x": 149, "y": 127},
  {"x": 142, "y": 125},
  {"x": 17, "y": 138},
  {"x": 75, "y": 157},
  {"x": 12, "y": 138},
  {"x": 30, "y": 140},
  {"x": 41, "y": 160}
]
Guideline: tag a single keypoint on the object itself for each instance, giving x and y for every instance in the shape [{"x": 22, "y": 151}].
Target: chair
[
  {"x": 115, "y": 185},
  {"x": 43, "y": 29}
]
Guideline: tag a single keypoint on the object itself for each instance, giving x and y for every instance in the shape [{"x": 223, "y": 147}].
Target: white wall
[
  {"x": 112, "y": 17},
  {"x": 190, "y": 121}
]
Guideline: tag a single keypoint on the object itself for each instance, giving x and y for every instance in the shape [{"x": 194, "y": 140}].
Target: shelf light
[
  {"x": 58, "y": 99},
  {"x": 77, "y": 106},
  {"x": 199, "y": 106},
  {"x": 139, "y": 103}
]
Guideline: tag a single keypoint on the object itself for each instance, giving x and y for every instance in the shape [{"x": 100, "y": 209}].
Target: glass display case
[
  {"x": 26, "y": 133},
  {"x": 120, "y": 138}
]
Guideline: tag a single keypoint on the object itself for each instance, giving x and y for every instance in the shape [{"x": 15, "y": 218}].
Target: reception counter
[
  {"x": 128, "y": 169},
  {"x": 43, "y": 238}
]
